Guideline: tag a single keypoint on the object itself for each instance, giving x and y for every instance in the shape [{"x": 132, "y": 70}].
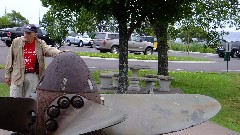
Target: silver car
[{"x": 79, "y": 40}]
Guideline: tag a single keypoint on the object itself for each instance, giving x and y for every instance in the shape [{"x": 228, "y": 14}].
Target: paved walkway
[{"x": 207, "y": 128}]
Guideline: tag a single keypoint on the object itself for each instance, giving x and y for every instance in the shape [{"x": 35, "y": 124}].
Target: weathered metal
[
  {"x": 68, "y": 73},
  {"x": 90, "y": 117},
  {"x": 151, "y": 114},
  {"x": 17, "y": 114}
]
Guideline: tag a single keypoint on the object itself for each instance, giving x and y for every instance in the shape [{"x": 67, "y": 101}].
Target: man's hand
[
  {"x": 65, "y": 50},
  {"x": 8, "y": 81}
]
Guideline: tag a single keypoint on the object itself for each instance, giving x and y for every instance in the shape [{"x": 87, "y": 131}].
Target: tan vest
[{"x": 15, "y": 67}]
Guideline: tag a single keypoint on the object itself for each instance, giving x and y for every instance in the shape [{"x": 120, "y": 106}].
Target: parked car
[
  {"x": 19, "y": 31},
  {"x": 151, "y": 39},
  {"x": 101, "y": 38},
  {"x": 109, "y": 42},
  {"x": 4, "y": 33},
  {"x": 221, "y": 49},
  {"x": 79, "y": 40}
]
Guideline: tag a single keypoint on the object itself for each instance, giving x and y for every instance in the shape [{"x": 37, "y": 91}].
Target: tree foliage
[
  {"x": 84, "y": 21},
  {"x": 55, "y": 27},
  {"x": 4, "y": 22},
  {"x": 131, "y": 14},
  {"x": 145, "y": 29},
  {"x": 212, "y": 15},
  {"x": 187, "y": 33},
  {"x": 13, "y": 19},
  {"x": 59, "y": 21},
  {"x": 16, "y": 19}
]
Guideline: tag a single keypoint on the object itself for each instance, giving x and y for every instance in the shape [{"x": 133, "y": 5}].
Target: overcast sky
[
  {"x": 30, "y": 10},
  {"x": 27, "y": 8}
]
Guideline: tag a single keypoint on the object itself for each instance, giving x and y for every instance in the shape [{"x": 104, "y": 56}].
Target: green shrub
[
  {"x": 192, "y": 47},
  {"x": 2, "y": 66}
]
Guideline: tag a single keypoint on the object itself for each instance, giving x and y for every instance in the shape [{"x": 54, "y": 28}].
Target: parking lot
[{"x": 216, "y": 65}]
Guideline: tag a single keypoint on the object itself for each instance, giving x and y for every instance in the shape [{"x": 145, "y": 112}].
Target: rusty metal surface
[
  {"x": 15, "y": 114},
  {"x": 45, "y": 98},
  {"x": 90, "y": 117},
  {"x": 158, "y": 114},
  {"x": 67, "y": 73}
]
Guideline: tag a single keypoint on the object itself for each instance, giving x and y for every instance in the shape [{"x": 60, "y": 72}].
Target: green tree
[
  {"x": 16, "y": 19},
  {"x": 78, "y": 21},
  {"x": 162, "y": 14},
  {"x": 130, "y": 14},
  {"x": 4, "y": 22},
  {"x": 111, "y": 25},
  {"x": 172, "y": 32},
  {"x": 55, "y": 27},
  {"x": 83, "y": 21},
  {"x": 187, "y": 33},
  {"x": 210, "y": 15},
  {"x": 207, "y": 14},
  {"x": 145, "y": 29}
]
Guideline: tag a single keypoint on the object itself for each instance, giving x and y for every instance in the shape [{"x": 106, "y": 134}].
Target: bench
[
  {"x": 134, "y": 84},
  {"x": 164, "y": 81},
  {"x": 108, "y": 78}
]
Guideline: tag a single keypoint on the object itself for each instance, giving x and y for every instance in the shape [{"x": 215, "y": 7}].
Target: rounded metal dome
[{"x": 67, "y": 73}]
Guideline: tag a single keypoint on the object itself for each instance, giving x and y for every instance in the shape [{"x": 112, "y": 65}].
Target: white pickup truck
[
  {"x": 109, "y": 42},
  {"x": 79, "y": 40}
]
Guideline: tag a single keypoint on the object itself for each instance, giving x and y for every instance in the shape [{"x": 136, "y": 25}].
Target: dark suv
[
  {"x": 234, "y": 49},
  {"x": 19, "y": 31}
]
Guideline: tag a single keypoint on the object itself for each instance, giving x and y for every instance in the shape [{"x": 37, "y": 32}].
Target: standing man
[{"x": 25, "y": 63}]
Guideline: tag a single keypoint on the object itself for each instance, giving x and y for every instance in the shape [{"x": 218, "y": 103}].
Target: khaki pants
[{"x": 29, "y": 86}]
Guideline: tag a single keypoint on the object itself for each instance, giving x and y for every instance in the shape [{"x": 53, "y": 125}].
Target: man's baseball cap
[{"x": 30, "y": 28}]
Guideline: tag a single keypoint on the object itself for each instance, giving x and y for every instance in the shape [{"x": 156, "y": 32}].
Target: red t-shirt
[{"x": 30, "y": 57}]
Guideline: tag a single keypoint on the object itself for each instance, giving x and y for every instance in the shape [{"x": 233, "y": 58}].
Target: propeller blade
[
  {"x": 16, "y": 114},
  {"x": 91, "y": 117},
  {"x": 150, "y": 114}
]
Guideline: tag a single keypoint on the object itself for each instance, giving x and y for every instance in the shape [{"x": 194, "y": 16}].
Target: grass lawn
[
  {"x": 223, "y": 87},
  {"x": 2, "y": 66},
  {"x": 140, "y": 57}
]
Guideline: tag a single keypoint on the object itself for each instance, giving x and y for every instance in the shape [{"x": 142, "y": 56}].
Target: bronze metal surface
[
  {"x": 15, "y": 114},
  {"x": 151, "y": 114}
]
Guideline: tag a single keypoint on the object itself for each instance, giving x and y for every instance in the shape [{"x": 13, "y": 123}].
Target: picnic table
[{"x": 136, "y": 68}]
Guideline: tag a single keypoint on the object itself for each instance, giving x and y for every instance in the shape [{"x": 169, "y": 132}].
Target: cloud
[{"x": 30, "y": 9}]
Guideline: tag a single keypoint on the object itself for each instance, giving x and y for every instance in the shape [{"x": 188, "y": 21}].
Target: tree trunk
[
  {"x": 160, "y": 30},
  {"x": 123, "y": 57}
]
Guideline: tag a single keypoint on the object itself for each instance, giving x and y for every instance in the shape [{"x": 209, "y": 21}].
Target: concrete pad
[{"x": 207, "y": 128}]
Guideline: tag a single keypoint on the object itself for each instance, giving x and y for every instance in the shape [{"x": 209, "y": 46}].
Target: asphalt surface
[{"x": 217, "y": 65}]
